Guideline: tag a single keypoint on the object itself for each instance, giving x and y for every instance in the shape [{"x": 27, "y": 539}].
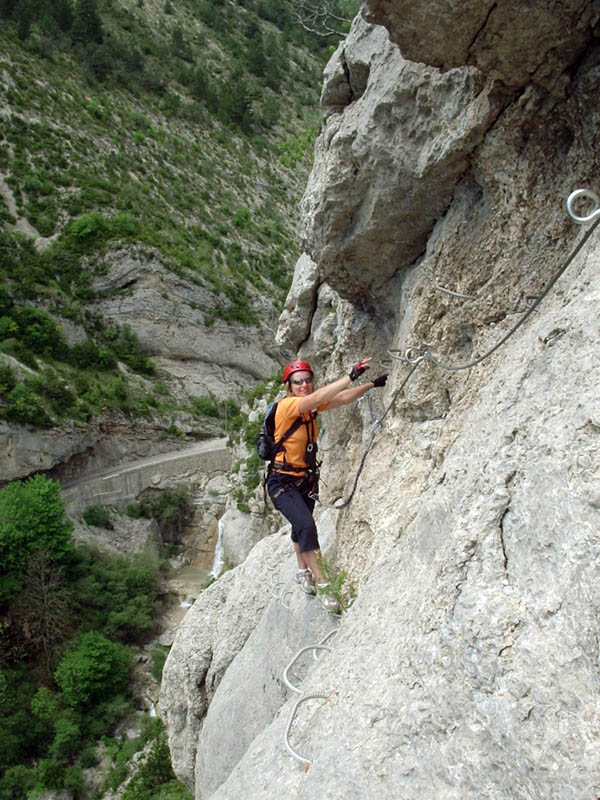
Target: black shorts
[{"x": 290, "y": 497}]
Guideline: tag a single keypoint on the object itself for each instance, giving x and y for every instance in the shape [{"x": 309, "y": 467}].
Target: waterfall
[{"x": 219, "y": 558}]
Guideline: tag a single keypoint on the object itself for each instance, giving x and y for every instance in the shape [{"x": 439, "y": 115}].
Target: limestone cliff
[{"x": 434, "y": 215}]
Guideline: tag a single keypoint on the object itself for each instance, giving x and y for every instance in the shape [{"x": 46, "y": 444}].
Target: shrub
[
  {"x": 97, "y": 669},
  {"x": 134, "y": 511},
  {"x": 7, "y": 380},
  {"x": 242, "y": 218},
  {"x": 125, "y": 345},
  {"x": 5, "y": 300},
  {"x": 67, "y": 735},
  {"x": 74, "y": 781},
  {"x": 39, "y": 332},
  {"x": 24, "y": 407},
  {"x": 206, "y": 406},
  {"x": 99, "y": 516},
  {"x": 171, "y": 510},
  {"x": 113, "y": 595},
  {"x": 159, "y": 656},
  {"x": 49, "y": 774},
  {"x": 89, "y": 227},
  {"x": 16, "y": 783},
  {"x": 59, "y": 394},
  {"x": 154, "y": 771}
]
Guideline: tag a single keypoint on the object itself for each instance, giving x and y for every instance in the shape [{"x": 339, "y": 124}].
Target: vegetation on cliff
[
  {"x": 68, "y": 618},
  {"x": 177, "y": 132}
]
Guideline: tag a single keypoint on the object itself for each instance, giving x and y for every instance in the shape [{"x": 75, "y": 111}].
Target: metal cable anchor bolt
[{"x": 594, "y": 214}]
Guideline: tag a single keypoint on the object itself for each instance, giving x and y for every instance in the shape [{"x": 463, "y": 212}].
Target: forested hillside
[
  {"x": 171, "y": 133},
  {"x": 177, "y": 132}
]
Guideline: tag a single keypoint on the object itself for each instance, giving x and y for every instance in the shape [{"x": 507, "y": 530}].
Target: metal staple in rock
[
  {"x": 320, "y": 646},
  {"x": 308, "y": 648},
  {"x": 303, "y": 699}
]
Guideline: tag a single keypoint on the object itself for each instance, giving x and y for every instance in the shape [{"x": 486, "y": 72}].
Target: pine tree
[{"x": 87, "y": 26}]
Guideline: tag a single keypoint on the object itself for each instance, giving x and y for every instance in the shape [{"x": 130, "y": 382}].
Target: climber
[{"x": 292, "y": 479}]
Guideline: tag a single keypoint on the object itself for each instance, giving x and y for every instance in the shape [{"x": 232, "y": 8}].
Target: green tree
[
  {"x": 42, "y": 610},
  {"x": 236, "y": 101},
  {"x": 32, "y": 515},
  {"x": 24, "y": 408},
  {"x": 39, "y": 332},
  {"x": 87, "y": 26},
  {"x": 16, "y": 783},
  {"x": 96, "y": 670},
  {"x": 5, "y": 300},
  {"x": 154, "y": 772},
  {"x": 255, "y": 56},
  {"x": 7, "y": 380}
]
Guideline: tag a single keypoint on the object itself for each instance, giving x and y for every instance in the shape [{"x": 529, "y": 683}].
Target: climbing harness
[{"x": 415, "y": 356}]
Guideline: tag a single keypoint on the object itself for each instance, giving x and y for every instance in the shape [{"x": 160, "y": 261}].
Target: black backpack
[{"x": 266, "y": 446}]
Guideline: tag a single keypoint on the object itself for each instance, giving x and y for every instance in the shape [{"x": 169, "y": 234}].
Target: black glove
[
  {"x": 357, "y": 370},
  {"x": 380, "y": 381}
]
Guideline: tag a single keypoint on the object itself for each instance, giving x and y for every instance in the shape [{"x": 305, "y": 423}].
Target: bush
[
  {"x": 159, "y": 657},
  {"x": 206, "y": 406},
  {"x": 88, "y": 228},
  {"x": 74, "y": 781},
  {"x": 154, "y": 772},
  {"x": 67, "y": 735},
  {"x": 171, "y": 509},
  {"x": 125, "y": 345},
  {"x": 242, "y": 218},
  {"x": 39, "y": 332},
  {"x": 99, "y": 516},
  {"x": 23, "y": 406},
  {"x": 134, "y": 511},
  {"x": 5, "y": 300},
  {"x": 7, "y": 380},
  {"x": 96, "y": 670},
  {"x": 16, "y": 783},
  {"x": 114, "y": 595},
  {"x": 49, "y": 774},
  {"x": 61, "y": 397}
]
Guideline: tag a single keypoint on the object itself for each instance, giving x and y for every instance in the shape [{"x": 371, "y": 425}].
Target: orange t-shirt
[{"x": 294, "y": 447}]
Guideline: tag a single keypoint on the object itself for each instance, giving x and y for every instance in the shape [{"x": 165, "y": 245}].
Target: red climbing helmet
[{"x": 296, "y": 366}]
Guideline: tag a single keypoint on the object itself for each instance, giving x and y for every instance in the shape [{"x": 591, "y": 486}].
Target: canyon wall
[{"x": 435, "y": 217}]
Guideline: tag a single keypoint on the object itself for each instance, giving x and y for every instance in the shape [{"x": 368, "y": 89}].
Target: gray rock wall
[{"x": 468, "y": 666}]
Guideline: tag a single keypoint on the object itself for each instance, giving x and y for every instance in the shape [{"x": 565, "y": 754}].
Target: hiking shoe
[
  {"x": 306, "y": 581},
  {"x": 328, "y": 602}
]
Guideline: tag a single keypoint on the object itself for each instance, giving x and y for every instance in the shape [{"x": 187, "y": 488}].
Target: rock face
[
  {"x": 468, "y": 665},
  {"x": 194, "y": 358},
  {"x": 514, "y": 42},
  {"x": 164, "y": 311},
  {"x": 392, "y": 153},
  {"x": 240, "y": 533}
]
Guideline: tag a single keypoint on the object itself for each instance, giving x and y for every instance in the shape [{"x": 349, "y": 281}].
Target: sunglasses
[{"x": 300, "y": 381}]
